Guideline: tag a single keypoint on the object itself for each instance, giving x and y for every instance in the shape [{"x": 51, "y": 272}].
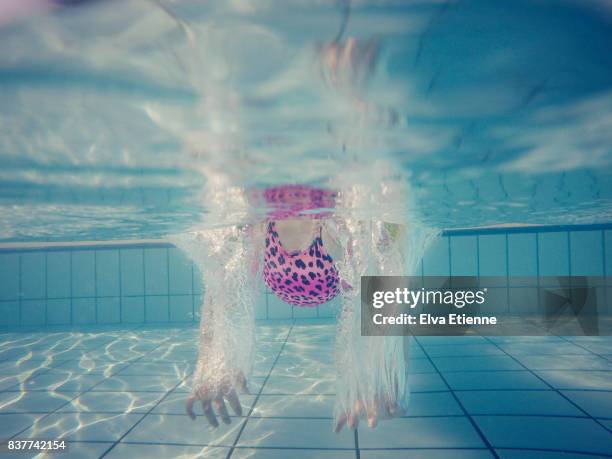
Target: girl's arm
[
  {"x": 228, "y": 261},
  {"x": 371, "y": 370}
]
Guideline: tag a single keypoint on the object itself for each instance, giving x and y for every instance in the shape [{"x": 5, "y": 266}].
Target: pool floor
[{"x": 120, "y": 393}]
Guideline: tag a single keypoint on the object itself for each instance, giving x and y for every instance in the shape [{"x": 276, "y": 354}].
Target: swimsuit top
[{"x": 301, "y": 278}]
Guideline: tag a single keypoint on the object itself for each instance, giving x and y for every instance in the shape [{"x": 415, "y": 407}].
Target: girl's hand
[
  {"x": 373, "y": 410},
  {"x": 214, "y": 392}
]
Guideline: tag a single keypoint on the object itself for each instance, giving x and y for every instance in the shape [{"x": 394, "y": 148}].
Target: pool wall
[{"x": 153, "y": 282}]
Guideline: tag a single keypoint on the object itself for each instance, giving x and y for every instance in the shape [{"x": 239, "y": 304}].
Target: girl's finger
[
  {"x": 189, "y": 406},
  {"x": 372, "y": 413},
  {"x": 234, "y": 402},
  {"x": 222, "y": 410},
  {"x": 209, "y": 413},
  {"x": 341, "y": 423},
  {"x": 353, "y": 420}
]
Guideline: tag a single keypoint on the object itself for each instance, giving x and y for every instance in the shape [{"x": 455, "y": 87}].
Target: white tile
[
  {"x": 263, "y": 453},
  {"x": 292, "y": 385},
  {"x": 160, "y": 428},
  {"x": 301, "y": 406},
  {"x": 313, "y": 433},
  {"x": 138, "y": 383},
  {"x": 82, "y": 426},
  {"x": 130, "y": 451},
  {"x": 33, "y": 402},
  {"x": 117, "y": 402}
]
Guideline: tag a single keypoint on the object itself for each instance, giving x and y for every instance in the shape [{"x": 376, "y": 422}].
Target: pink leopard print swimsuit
[{"x": 302, "y": 278}]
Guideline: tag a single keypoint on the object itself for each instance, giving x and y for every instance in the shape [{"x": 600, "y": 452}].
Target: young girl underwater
[{"x": 312, "y": 244}]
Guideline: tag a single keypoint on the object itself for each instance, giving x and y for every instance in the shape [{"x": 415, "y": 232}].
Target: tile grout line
[
  {"x": 558, "y": 391},
  {"x": 78, "y": 393},
  {"x": 261, "y": 389},
  {"x": 144, "y": 415},
  {"x": 484, "y": 439}
]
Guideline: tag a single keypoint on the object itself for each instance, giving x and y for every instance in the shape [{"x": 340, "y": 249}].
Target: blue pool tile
[
  {"x": 522, "y": 255},
  {"x": 33, "y": 312},
  {"x": 472, "y": 363},
  {"x": 302, "y": 406},
  {"x": 82, "y": 426},
  {"x": 130, "y": 451},
  {"x": 290, "y": 385},
  {"x": 494, "y": 380},
  {"x": 565, "y": 362},
  {"x": 553, "y": 254},
  {"x": 156, "y": 309},
  {"x": 181, "y": 308},
  {"x": 121, "y": 382},
  {"x": 427, "y": 454},
  {"x": 10, "y": 424},
  {"x": 159, "y": 368},
  {"x": 33, "y": 402},
  {"x": 535, "y": 348},
  {"x": 304, "y": 313},
  {"x": 565, "y": 379},
  {"x": 83, "y": 273},
  {"x": 539, "y": 454},
  {"x": 420, "y": 382},
  {"x": 58, "y": 274},
  {"x": 464, "y": 256},
  {"x": 608, "y": 254},
  {"x": 597, "y": 404},
  {"x": 181, "y": 429},
  {"x": 432, "y": 404},
  {"x": 80, "y": 450},
  {"x": 492, "y": 252},
  {"x": 261, "y": 308},
  {"x": 132, "y": 309},
  {"x": 586, "y": 253},
  {"x": 59, "y": 311},
  {"x": 9, "y": 273},
  {"x": 468, "y": 350},
  {"x": 132, "y": 272},
  {"x": 9, "y": 313},
  {"x": 62, "y": 381},
  {"x": 33, "y": 279},
  {"x": 279, "y": 433},
  {"x": 565, "y": 434},
  {"x": 119, "y": 402},
  {"x": 180, "y": 273},
  {"x": 109, "y": 310},
  {"x": 107, "y": 273},
  {"x": 267, "y": 453},
  {"x": 436, "y": 260},
  {"x": 90, "y": 366},
  {"x": 277, "y": 308},
  {"x": 523, "y": 300},
  {"x": 156, "y": 271},
  {"x": 198, "y": 281},
  {"x": 439, "y": 432},
  {"x": 84, "y": 310},
  {"x": 517, "y": 402}
]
